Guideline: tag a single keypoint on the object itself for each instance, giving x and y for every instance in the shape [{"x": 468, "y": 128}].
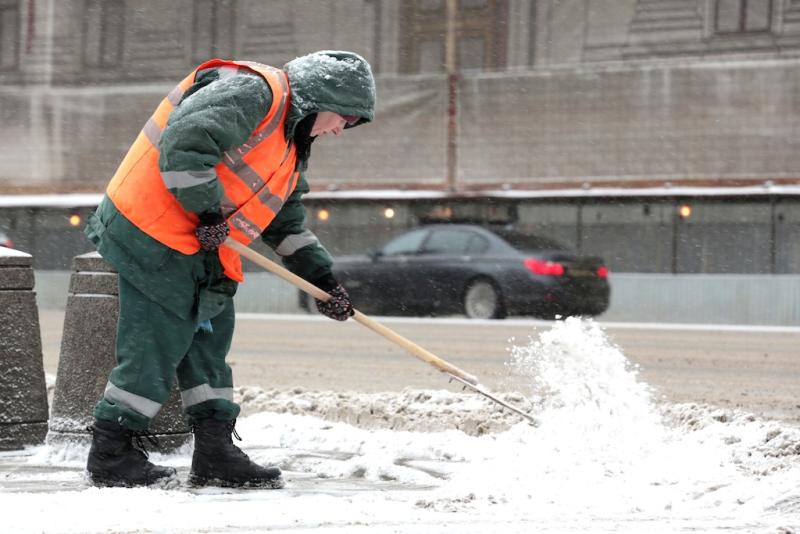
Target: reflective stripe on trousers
[
  {"x": 203, "y": 393},
  {"x": 135, "y": 402}
]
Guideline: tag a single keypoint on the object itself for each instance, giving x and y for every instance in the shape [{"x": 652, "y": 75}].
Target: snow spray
[{"x": 605, "y": 447}]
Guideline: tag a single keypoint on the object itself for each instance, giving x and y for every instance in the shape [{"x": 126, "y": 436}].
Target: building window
[
  {"x": 103, "y": 30},
  {"x": 471, "y": 52},
  {"x": 212, "y": 29},
  {"x": 430, "y": 5},
  {"x": 9, "y": 34},
  {"x": 481, "y": 35},
  {"x": 742, "y": 16}
]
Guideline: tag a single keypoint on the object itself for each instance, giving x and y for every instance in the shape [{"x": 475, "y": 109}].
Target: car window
[
  {"x": 477, "y": 244},
  {"x": 405, "y": 244},
  {"x": 449, "y": 242}
]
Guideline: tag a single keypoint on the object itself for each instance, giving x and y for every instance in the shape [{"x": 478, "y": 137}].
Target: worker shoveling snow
[{"x": 606, "y": 457}]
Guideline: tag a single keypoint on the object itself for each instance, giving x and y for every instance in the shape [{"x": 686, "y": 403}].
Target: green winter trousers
[{"x": 153, "y": 346}]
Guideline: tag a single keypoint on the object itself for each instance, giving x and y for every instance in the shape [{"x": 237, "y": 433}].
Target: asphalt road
[{"x": 754, "y": 369}]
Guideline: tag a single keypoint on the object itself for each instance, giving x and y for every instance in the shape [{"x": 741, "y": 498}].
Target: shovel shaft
[
  {"x": 274, "y": 268},
  {"x": 413, "y": 348},
  {"x": 372, "y": 324}
]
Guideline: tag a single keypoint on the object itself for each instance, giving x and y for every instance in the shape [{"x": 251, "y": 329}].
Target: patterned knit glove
[
  {"x": 339, "y": 306},
  {"x": 212, "y": 230}
]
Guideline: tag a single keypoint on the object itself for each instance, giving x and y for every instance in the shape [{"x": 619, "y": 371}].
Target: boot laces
[
  {"x": 234, "y": 433},
  {"x": 231, "y": 427},
  {"x": 234, "y": 449},
  {"x": 137, "y": 439}
]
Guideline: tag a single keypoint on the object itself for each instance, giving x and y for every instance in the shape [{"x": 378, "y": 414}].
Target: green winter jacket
[{"x": 220, "y": 111}]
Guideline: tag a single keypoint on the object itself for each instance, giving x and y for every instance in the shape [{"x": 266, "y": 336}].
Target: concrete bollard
[
  {"x": 88, "y": 356},
  {"x": 23, "y": 393}
]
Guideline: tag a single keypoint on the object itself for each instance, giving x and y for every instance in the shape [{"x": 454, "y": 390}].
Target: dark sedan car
[{"x": 467, "y": 269}]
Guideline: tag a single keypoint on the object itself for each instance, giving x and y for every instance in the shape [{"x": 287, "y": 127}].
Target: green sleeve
[
  {"x": 300, "y": 249},
  {"x": 214, "y": 116}
]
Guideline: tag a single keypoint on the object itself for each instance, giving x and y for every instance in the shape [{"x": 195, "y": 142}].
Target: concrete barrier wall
[
  {"x": 697, "y": 298},
  {"x": 702, "y": 299},
  {"x": 263, "y": 293}
]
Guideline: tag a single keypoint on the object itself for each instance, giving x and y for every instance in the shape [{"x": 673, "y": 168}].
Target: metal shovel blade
[{"x": 478, "y": 388}]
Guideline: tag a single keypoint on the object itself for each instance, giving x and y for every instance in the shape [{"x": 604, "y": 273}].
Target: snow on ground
[{"x": 605, "y": 458}]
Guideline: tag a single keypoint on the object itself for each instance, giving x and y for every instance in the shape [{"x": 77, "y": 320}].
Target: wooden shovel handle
[{"x": 359, "y": 317}]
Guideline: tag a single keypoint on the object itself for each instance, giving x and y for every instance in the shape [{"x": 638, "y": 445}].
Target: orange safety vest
[{"x": 257, "y": 176}]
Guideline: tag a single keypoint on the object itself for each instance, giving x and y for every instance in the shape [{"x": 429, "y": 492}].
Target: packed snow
[{"x": 607, "y": 456}]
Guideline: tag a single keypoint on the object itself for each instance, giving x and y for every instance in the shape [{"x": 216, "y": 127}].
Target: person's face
[{"x": 328, "y": 122}]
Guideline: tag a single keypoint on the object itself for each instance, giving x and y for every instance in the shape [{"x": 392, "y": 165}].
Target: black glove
[
  {"x": 339, "y": 306},
  {"x": 212, "y": 230}
]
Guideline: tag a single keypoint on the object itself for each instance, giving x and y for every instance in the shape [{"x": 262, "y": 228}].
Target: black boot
[
  {"x": 114, "y": 461},
  {"x": 218, "y": 462}
]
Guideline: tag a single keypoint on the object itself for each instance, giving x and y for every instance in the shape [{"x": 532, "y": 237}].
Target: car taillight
[
  {"x": 546, "y": 268},
  {"x": 602, "y": 271},
  {"x": 8, "y": 244}
]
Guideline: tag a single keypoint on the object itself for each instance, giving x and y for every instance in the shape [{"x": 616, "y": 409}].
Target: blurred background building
[{"x": 663, "y": 135}]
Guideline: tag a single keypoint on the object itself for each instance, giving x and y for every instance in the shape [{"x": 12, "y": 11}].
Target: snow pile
[
  {"x": 411, "y": 409},
  {"x": 605, "y": 457}
]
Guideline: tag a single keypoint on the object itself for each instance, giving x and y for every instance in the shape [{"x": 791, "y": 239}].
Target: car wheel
[{"x": 482, "y": 301}]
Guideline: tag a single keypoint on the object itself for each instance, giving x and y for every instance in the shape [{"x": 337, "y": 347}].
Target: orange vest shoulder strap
[
  {"x": 278, "y": 84},
  {"x": 275, "y": 78}
]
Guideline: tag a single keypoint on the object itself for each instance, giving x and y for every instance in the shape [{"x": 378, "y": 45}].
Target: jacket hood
[{"x": 328, "y": 80}]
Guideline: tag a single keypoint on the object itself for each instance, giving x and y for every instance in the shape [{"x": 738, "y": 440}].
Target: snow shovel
[{"x": 459, "y": 375}]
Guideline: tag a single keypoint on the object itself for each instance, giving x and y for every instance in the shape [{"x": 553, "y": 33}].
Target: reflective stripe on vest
[
  {"x": 257, "y": 177},
  {"x": 294, "y": 242}
]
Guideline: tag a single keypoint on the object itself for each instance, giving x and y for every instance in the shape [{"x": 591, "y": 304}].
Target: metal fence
[{"x": 709, "y": 122}]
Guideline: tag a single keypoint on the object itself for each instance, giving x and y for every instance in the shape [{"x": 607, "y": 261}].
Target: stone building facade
[{"x": 550, "y": 93}]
